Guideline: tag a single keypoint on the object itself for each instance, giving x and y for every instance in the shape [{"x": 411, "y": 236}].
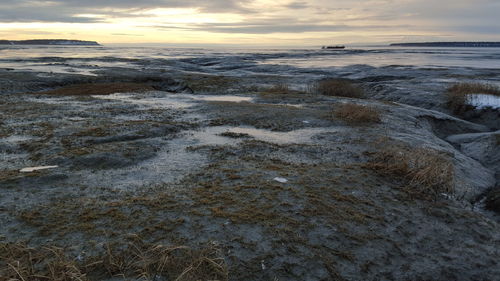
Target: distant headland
[
  {"x": 49, "y": 42},
  {"x": 448, "y": 44}
]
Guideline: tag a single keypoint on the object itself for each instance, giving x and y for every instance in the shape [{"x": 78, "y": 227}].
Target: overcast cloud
[
  {"x": 450, "y": 17},
  {"x": 67, "y": 10}
]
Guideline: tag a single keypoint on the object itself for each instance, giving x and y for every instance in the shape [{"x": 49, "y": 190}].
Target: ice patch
[
  {"x": 481, "y": 101},
  {"x": 176, "y": 159},
  {"x": 210, "y": 136},
  {"x": 296, "y": 136},
  {"x": 170, "y": 100},
  {"x": 281, "y": 180},
  {"x": 222, "y": 98}
]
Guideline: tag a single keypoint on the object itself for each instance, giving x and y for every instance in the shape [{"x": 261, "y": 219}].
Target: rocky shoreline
[
  {"x": 271, "y": 179},
  {"x": 450, "y": 44}
]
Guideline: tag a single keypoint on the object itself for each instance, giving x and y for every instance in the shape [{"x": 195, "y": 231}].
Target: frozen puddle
[
  {"x": 175, "y": 160},
  {"x": 212, "y": 135},
  {"x": 152, "y": 101},
  {"x": 170, "y": 165},
  {"x": 222, "y": 98},
  {"x": 170, "y": 100},
  {"x": 483, "y": 101}
]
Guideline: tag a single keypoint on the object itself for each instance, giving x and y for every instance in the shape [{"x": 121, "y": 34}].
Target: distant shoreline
[
  {"x": 58, "y": 42},
  {"x": 449, "y": 44}
]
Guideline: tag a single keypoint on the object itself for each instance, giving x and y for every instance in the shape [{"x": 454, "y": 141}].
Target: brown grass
[
  {"x": 426, "y": 171},
  {"x": 459, "y": 95},
  {"x": 98, "y": 89},
  {"x": 136, "y": 260},
  {"x": 93, "y": 132},
  {"x": 357, "y": 114},
  {"x": 9, "y": 175},
  {"x": 475, "y": 88},
  {"x": 337, "y": 87},
  {"x": 210, "y": 83},
  {"x": 19, "y": 262}
]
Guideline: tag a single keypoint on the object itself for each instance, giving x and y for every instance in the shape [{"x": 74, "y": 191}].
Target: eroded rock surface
[
  {"x": 168, "y": 168},
  {"x": 188, "y": 162}
]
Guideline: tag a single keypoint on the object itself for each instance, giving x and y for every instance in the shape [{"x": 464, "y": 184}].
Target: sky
[{"x": 251, "y": 22}]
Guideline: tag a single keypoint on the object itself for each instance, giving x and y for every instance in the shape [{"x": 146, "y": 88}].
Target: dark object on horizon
[
  {"x": 338, "y": 47},
  {"x": 63, "y": 42},
  {"x": 448, "y": 44}
]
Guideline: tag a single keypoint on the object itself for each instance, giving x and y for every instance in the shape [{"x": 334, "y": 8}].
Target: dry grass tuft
[
  {"x": 20, "y": 262},
  {"x": 426, "y": 171},
  {"x": 210, "y": 83},
  {"x": 338, "y": 88},
  {"x": 98, "y": 89},
  {"x": 357, "y": 114},
  {"x": 460, "y": 95},
  {"x": 475, "y": 88},
  {"x": 93, "y": 132},
  {"x": 137, "y": 260}
]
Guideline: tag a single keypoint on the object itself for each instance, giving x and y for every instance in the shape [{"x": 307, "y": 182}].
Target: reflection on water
[
  {"x": 88, "y": 60},
  {"x": 418, "y": 57}
]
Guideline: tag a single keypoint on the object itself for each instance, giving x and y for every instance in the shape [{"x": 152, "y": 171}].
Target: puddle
[
  {"x": 223, "y": 98},
  {"x": 174, "y": 160},
  {"x": 163, "y": 100},
  {"x": 483, "y": 101},
  {"x": 159, "y": 100},
  {"x": 154, "y": 102},
  {"x": 296, "y": 105},
  {"x": 169, "y": 165},
  {"x": 297, "y": 136},
  {"x": 211, "y": 135}
]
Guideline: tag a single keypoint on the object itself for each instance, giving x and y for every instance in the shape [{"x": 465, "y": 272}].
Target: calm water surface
[{"x": 88, "y": 60}]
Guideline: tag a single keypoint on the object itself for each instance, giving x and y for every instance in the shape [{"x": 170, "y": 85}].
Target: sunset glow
[{"x": 262, "y": 22}]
